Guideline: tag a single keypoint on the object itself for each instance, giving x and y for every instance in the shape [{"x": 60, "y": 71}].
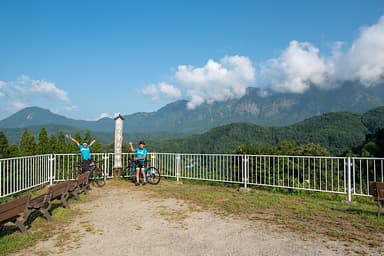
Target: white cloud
[
  {"x": 216, "y": 81},
  {"x": 169, "y": 90},
  {"x": 161, "y": 90},
  {"x": 301, "y": 65},
  {"x": 364, "y": 59},
  {"x": 2, "y": 85},
  {"x": 48, "y": 88},
  {"x": 25, "y": 92},
  {"x": 103, "y": 115},
  {"x": 296, "y": 69}
]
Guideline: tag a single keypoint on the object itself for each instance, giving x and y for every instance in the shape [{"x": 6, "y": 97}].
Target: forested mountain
[
  {"x": 337, "y": 132},
  {"x": 264, "y": 108}
]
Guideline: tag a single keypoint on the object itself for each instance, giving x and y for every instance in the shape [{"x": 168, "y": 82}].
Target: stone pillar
[{"x": 118, "y": 146}]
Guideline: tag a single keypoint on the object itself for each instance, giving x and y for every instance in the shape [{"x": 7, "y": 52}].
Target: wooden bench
[
  {"x": 80, "y": 185},
  {"x": 41, "y": 204},
  {"x": 60, "y": 192},
  {"x": 377, "y": 192},
  {"x": 16, "y": 211}
]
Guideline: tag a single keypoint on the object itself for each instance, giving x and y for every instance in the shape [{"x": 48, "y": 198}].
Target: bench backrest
[
  {"x": 39, "y": 201},
  {"x": 83, "y": 178},
  {"x": 380, "y": 190},
  {"x": 58, "y": 189},
  {"x": 13, "y": 209},
  {"x": 377, "y": 189}
]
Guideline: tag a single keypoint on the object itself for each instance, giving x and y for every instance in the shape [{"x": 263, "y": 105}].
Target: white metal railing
[
  {"x": 343, "y": 175},
  {"x": 23, "y": 173}
]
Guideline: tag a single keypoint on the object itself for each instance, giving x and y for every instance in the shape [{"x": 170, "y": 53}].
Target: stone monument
[{"x": 118, "y": 145}]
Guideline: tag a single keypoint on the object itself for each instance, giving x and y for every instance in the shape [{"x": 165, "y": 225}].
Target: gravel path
[{"x": 124, "y": 221}]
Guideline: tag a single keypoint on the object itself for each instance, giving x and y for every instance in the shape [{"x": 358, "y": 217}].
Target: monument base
[{"x": 116, "y": 173}]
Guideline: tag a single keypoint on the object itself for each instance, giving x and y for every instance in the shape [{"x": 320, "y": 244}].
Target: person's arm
[
  {"x": 93, "y": 141},
  {"x": 133, "y": 150},
  {"x": 72, "y": 139},
  {"x": 131, "y": 147}
]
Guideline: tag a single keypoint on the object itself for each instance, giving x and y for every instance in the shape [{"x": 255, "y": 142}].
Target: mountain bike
[
  {"x": 152, "y": 173},
  {"x": 97, "y": 175}
]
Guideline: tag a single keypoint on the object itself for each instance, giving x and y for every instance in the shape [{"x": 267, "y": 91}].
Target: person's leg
[
  {"x": 137, "y": 176},
  {"x": 144, "y": 176},
  {"x": 85, "y": 165}
]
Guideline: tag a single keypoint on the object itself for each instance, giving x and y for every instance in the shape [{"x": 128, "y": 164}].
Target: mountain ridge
[{"x": 175, "y": 120}]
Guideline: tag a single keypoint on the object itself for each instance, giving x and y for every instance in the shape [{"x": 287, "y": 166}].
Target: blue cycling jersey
[
  {"x": 85, "y": 152},
  {"x": 141, "y": 153}
]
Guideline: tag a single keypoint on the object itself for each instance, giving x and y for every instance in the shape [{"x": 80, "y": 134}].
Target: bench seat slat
[{"x": 17, "y": 212}]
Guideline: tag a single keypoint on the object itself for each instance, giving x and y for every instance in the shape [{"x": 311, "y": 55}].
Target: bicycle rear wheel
[
  {"x": 153, "y": 175},
  {"x": 98, "y": 177}
]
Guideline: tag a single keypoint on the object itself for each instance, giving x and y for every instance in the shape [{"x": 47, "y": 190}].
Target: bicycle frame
[
  {"x": 133, "y": 170},
  {"x": 152, "y": 174}
]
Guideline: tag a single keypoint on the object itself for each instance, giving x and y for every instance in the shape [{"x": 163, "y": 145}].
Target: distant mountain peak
[{"x": 274, "y": 109}]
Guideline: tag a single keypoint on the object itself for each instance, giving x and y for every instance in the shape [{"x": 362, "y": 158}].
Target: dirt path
[{"x": 123, "y": 221}]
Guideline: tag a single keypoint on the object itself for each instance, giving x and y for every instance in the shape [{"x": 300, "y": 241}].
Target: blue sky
[{"x": 90, "y": 59}]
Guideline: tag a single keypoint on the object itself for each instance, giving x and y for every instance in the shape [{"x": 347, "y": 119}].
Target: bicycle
[
  {"x": 97, "y": 175},
  {"x": 152, "y": 173}
]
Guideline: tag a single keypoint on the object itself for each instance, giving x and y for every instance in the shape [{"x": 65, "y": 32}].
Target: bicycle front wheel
[
  {"x": 98, "y": 177},
  {"x": 153, "y": 175}
]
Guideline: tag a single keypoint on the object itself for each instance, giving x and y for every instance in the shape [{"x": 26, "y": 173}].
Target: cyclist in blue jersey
[
  {"x": 85, "y": 150},
  {"x": 141, "y": 154}
]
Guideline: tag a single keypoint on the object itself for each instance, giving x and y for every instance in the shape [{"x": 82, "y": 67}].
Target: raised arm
[
  {"x": 93, "y": 141},
  {"x": 72, "y": 139},
  {"x": 131, "y": 146}
]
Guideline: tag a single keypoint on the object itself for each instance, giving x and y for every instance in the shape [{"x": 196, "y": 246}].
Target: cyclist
[
  {"x": 141, "y": 153},
  {"x": 85, "y": 150}
]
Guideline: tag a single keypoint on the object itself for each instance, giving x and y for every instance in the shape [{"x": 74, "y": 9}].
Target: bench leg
[
  {"x": 46, "y": 214},
  {"x": 20, "y": 225},
  {"x": 76, "y": 195},
  {"x": 64, "y": 200}
]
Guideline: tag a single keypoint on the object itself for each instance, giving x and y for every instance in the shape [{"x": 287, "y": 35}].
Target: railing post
[
  {"x": 178, "y": 168},
  {"x": 50, "y": 160},
  {"x": 245, "y": 171},
  {"x": 153, "y": 157},
  {"x": 349, "y": 180},
  {"x": 106, "y": 159},
  {"x": 1, "y": 180}
]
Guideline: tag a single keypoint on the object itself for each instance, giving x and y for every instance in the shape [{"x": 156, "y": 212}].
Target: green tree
[
  {"x": 43, "y": 142},
  {"x": 96, "y": 146},
  {"x": 27, "y": 144},
  {"x": 88, "y": 137},
  {"x": 61, "y": 145},
  {"x": 52, "y": 144},
  {"x": 14, "y": 150},
  {"x": 73, "y": 148},
  {"x": 4, "y": 148}
]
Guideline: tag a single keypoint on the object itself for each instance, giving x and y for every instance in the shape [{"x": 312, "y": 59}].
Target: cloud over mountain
[
  {"x": 215, "y": 81},
  {"x": 24, "y": 92},
  {"x": 301, "y": 65},
  {"x": 297, "y": 68}
]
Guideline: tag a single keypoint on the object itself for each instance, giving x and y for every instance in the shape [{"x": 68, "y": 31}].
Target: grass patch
[
  {"x": 173, "y": 216},
  {"x": 12, "y": 240},
  {"x": 312, "y": 213}
]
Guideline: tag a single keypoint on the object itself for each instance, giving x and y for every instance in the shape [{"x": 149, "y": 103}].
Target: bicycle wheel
[
  {"x": 98, "y": 177},
  {"x": 153, "y": 175}
]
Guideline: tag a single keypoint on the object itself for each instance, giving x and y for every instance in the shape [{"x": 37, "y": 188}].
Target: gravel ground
[{"x": 125, "y": 221}]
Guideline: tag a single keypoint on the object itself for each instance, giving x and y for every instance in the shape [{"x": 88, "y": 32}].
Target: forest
[{"x": 215, "y": 141}]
